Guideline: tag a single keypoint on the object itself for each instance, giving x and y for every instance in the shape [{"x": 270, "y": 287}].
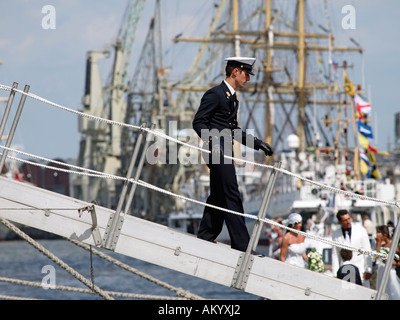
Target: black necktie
[
  {"x": 348, "y": 231},
  {"x": 234, "y": 99}
]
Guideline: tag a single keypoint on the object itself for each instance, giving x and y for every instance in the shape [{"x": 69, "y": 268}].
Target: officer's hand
[{"x": 266, "y": 148}]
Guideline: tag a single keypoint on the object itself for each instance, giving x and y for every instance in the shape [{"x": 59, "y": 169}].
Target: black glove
[{"x": 266, "y": 148}]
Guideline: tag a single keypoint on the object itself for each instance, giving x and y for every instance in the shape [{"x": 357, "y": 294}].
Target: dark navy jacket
[
  {"x": 350, "y": 273},
  {"x": 218, "y": 111}
]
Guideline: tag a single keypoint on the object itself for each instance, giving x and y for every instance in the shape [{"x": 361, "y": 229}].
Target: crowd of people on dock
[{"x": 292, "y": 247}]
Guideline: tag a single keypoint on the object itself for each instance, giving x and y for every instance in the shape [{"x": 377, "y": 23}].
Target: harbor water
[{"x": 20, "y": 260}]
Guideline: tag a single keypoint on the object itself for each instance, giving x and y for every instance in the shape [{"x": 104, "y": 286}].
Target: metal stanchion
[
  {"x": 139, "y": 169},
  {"x": 116, "y": 219},
  {"x": 245, "y": 261},
  {"x": 8, "y": 108},
  {"x": 13, "y": 126},
  {"x": 389, "y": 261},
  {"x": 264, "y": 207}
]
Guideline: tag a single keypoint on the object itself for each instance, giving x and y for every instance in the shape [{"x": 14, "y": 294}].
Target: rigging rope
[
  {"x": 97, "y": 174},
  {"x": 55, "y": 259},
  {"x": 178, "y": 291},
  {"x": 92, "y": 288},
  {"x": 167, "y": 137},
  {"x": 81, "y": 290}
]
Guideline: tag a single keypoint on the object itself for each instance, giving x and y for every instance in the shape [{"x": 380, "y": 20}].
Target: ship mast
[
  {"x": 301, "y": 62},
  {"x": 294, "y": 91},
  {"x": 294, "y": 94},
  {"x": 282, "y": 86},
  {"x": 268, "y": 106},
  {"x": 235, "y": 7}
]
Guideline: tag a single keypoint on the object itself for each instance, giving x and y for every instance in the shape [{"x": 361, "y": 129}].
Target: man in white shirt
[{"x": 356, "y": 236}]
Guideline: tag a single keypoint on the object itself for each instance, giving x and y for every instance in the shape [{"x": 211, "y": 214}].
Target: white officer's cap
[{"x": 244, "y": 63}]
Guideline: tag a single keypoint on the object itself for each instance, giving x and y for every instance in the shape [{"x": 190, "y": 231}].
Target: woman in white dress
[
  {"x": 293, "y": 248},
  {"x": 384, "y": 240}
]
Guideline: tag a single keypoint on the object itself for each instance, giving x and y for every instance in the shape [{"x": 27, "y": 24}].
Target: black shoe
[{"x": 255, "y": 253}]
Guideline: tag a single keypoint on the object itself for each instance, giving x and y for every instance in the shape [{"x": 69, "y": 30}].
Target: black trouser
[{"x": 224, "y": 193}]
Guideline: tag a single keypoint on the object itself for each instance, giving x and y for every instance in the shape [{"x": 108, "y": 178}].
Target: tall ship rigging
[{"x": 297, "y": 102}]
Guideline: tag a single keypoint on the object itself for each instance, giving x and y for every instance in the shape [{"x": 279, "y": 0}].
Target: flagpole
[
  {"x": 337, "y": 146},
  {"x": 356, "y": 151},
  {"x": 351, "y": 92}
]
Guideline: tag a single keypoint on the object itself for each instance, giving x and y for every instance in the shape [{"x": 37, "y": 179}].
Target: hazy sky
[{"x": 52, "y": 61}]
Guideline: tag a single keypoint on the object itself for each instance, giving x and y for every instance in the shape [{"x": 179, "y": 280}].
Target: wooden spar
[{"x": 166, "y": 247}]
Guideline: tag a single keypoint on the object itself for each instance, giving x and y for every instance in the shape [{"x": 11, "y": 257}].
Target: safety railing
[{"x": 114, "y": 225}]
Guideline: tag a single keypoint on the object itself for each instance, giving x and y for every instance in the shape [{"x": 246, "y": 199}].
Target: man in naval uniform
[{"x": 216, "y": 124}]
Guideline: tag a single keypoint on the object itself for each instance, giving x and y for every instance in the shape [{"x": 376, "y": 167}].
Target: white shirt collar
[{"x": 230, "y": 87}]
